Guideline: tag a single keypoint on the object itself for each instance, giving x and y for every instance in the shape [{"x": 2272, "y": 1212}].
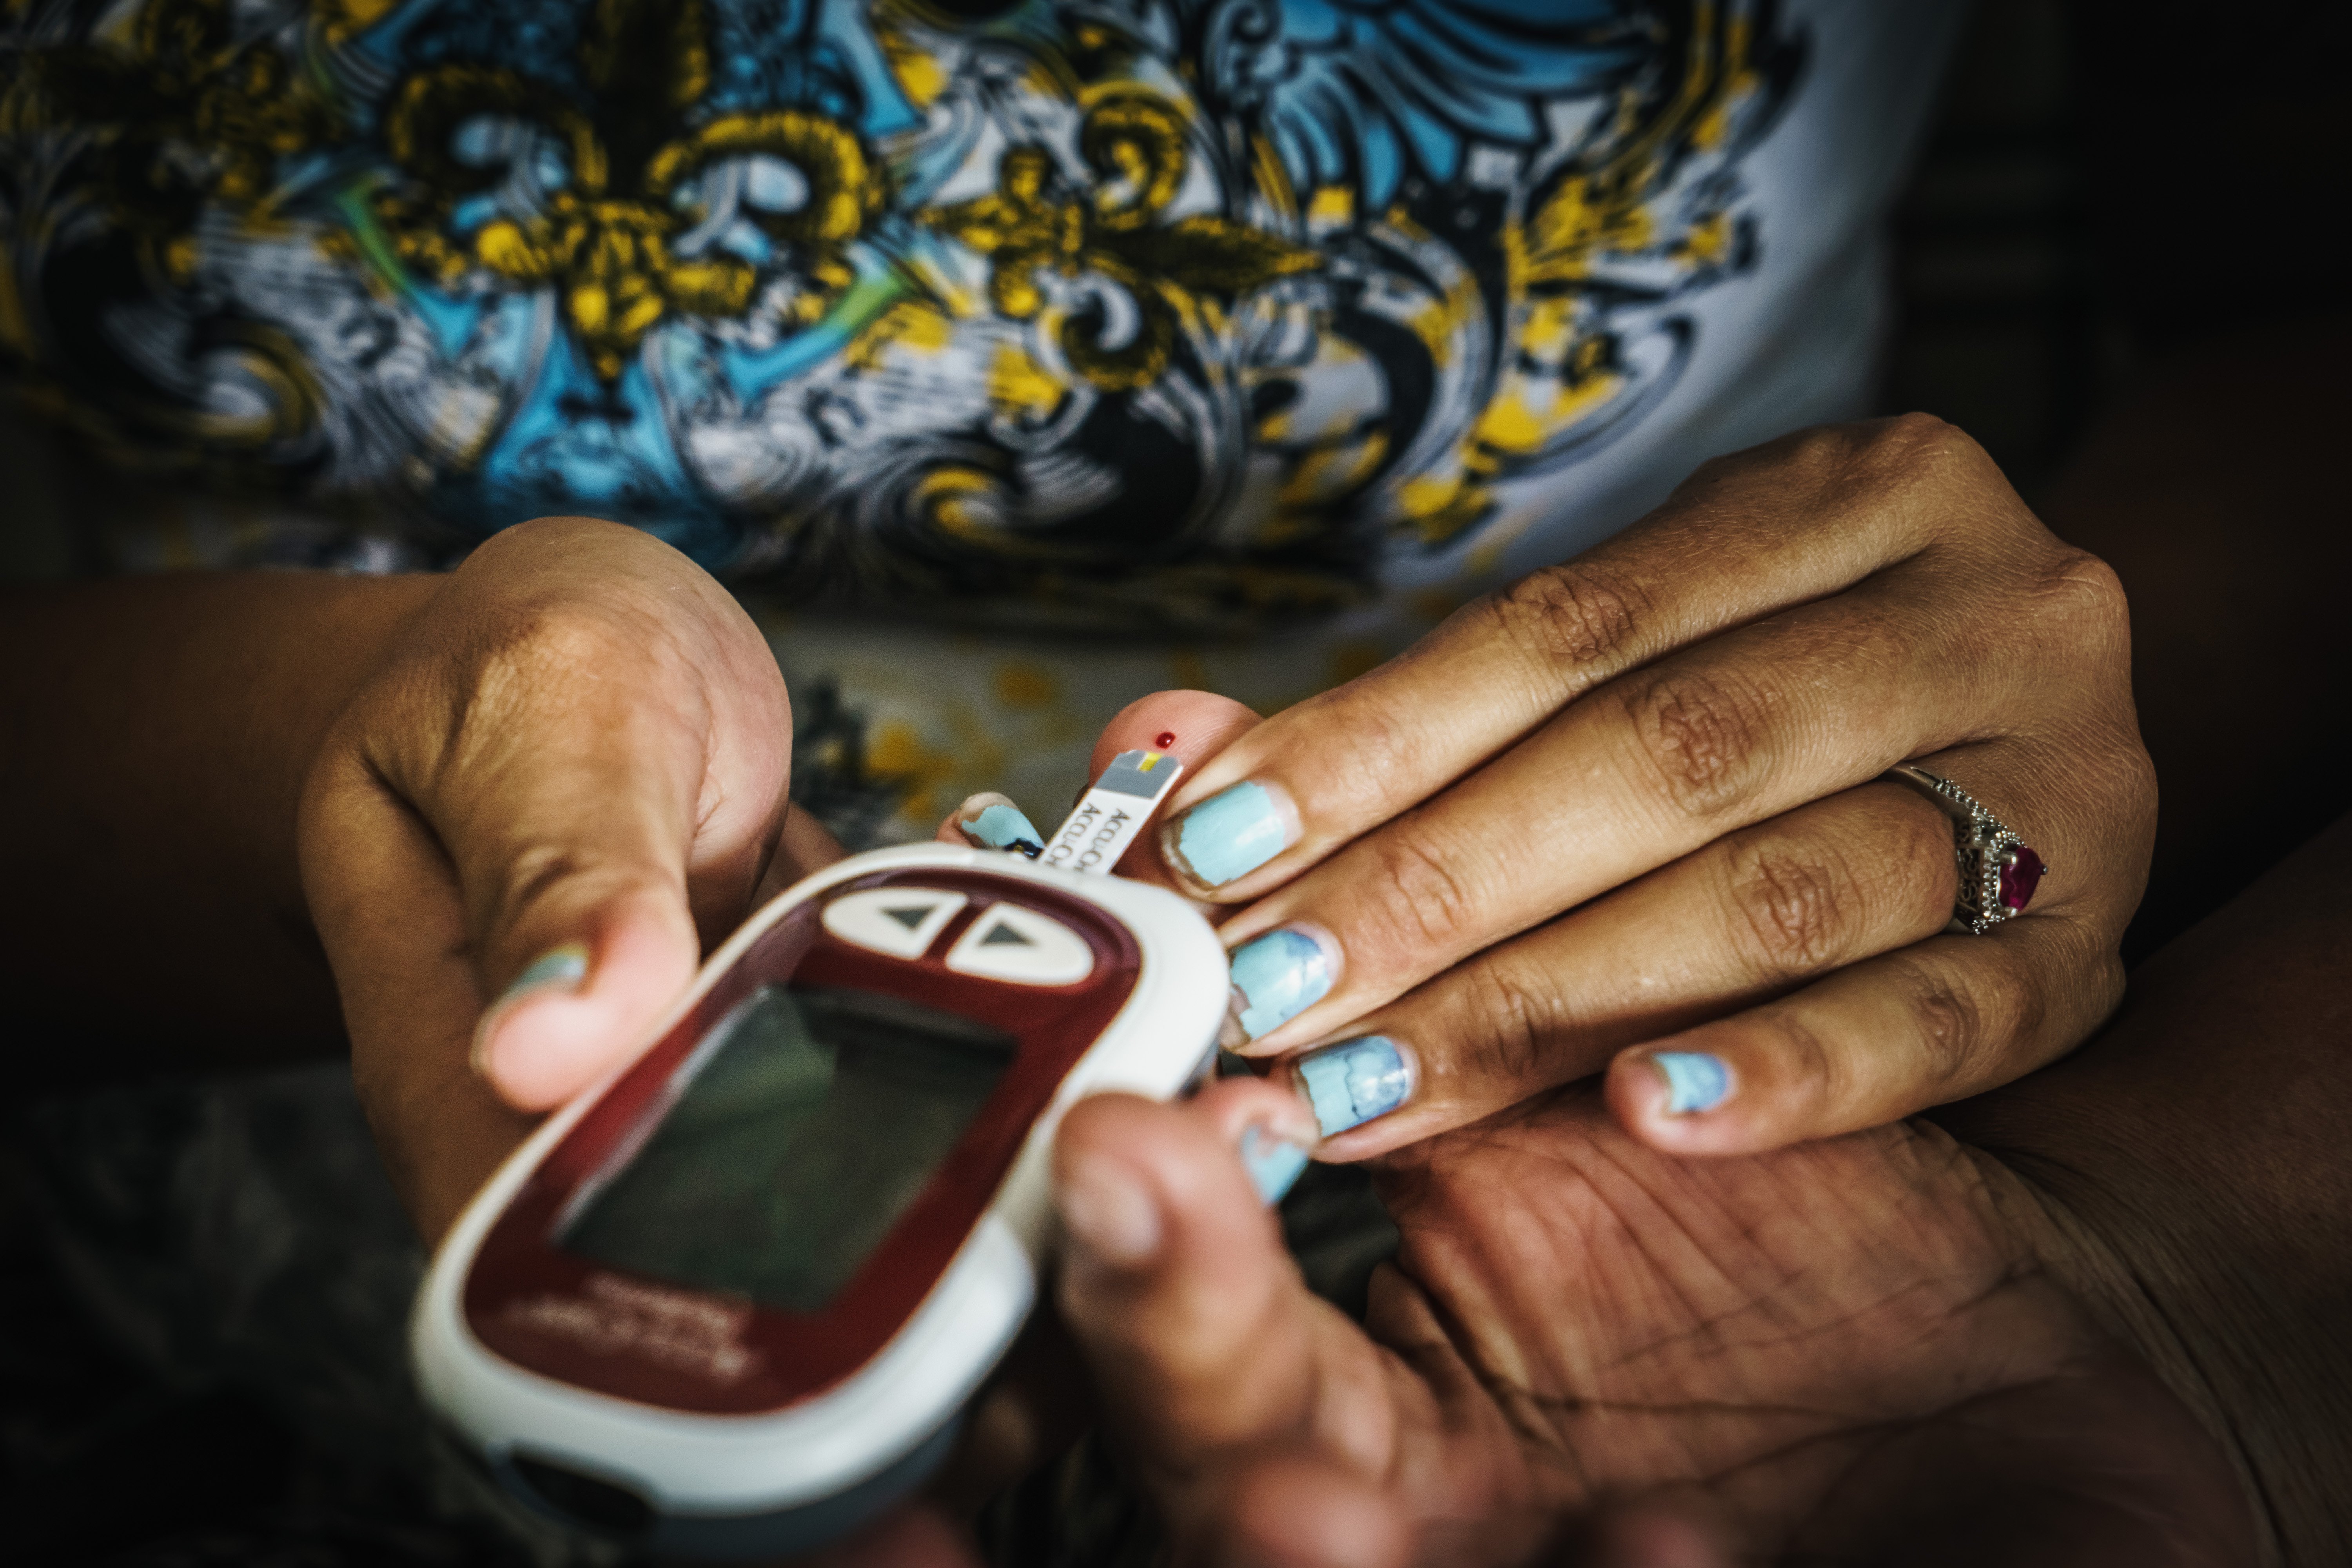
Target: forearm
[
  {"x": 2194, "y": 1164},
  {"x": 155, "y": 731}
]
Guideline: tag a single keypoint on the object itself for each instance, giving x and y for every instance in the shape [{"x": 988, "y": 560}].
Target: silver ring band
[{"x": 1998, "y": 872}]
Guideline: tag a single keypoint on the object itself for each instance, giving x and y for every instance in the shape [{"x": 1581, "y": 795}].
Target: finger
[
  {"x": 1175, "y": 1283},
  {"x": 1194, "y": 726},
  {"x": 1923, "y": 1025},
  {"x": 1789, "y": 522},
  {"x": 992, "y": 821},
  {"x": 1735, "y": 922},
  {"x": 803, "y": 845},
  {"x": 1736, "y": 731},
  {"x": 1292, "y": 1510}
]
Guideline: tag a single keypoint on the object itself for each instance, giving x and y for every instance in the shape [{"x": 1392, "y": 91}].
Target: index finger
[
  {"x": 1194, "y": 727},
  {"x": 1795, "y": 520}
]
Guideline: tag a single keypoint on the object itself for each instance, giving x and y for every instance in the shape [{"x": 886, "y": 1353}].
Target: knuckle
[
  {"x": 541, "y": 657},
  {"x": 566, "y": 635},
  {"x": 1702, "y": 737},
  {"x": 2084, "y": 594},
  {"x": 1949, "y": 1025},
  {"x": 1428, "y": 901},
  {"x": 1920, "y": 454},
  {"x": 1572, "y": 614},
  {"x": 1802, "y": 1057},
  {"x": 1384, "y": 744},
  {"x": 1796, "y": 914},
  {"x": 1511, "y": 1023},
  {"x": 1919, "y": 445}
]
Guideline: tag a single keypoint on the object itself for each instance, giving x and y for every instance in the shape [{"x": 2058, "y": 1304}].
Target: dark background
[{"x": 2121, "y": 269}]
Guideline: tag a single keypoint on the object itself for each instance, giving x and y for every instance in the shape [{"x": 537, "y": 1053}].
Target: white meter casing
[{"x": 729, "y": 1301}]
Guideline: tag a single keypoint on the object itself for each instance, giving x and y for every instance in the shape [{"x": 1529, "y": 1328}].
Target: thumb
[
  {"x": 582, "y": 862},
  {"x": 1174, "y": 1281}
]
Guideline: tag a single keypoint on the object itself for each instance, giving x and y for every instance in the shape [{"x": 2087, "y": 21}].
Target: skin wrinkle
[
  {"x": 1543, "y": 1419},
  {"x": 1795, "y": 906},
  {"x": 2124, "y": 1294},
  {"x": 1428, "y": 889},
  {"x": 1703, "y": 737},
  {"x": 1516, "y": 1029},
  {"x": 1392, "y": 745},
  {"x": 1577, "y": 622}
]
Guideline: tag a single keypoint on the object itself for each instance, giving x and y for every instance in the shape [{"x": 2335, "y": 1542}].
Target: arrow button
[
  {"x": 1015, "y": 944},
  {"x": 900, "y": 922}
]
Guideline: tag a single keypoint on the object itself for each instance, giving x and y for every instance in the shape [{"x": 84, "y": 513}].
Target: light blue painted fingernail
[
  {"x": 1276, "y": 977},
  {"x": 1229, "y": 835},
  {"x": 1355, "y": 1081},
  {"x": 1695, "y": 1080},
  {"x": 1274, "y": 1162},
  {"x": 1004, "y": 828},
  {"x": 565, "y": 965}
]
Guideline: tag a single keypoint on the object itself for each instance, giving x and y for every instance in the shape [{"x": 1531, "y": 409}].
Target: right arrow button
[{"x": 1007, "y": 941}]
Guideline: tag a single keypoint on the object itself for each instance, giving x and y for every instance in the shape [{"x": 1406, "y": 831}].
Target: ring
[{"x": 1998, "y": 872}]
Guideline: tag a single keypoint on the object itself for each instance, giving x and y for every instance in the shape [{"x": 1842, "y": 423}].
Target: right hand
[{"x": 568, "y": 772}]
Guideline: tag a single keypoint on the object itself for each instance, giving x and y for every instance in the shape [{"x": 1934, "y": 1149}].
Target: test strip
[{"x": 1113, "y": 812}]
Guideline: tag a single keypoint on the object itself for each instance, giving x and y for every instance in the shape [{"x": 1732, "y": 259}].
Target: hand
[
  {"x": 567, "y": 774},
  {"x": 1622, "y": 815},
  {"x": 1855, "y": 1350}
]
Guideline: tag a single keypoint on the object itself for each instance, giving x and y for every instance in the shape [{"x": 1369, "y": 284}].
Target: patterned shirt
[{"x": 1240, "y": 338}]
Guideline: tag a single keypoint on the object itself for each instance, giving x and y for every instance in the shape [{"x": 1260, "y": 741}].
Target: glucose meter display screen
[{"x": 810, "y": 1120}]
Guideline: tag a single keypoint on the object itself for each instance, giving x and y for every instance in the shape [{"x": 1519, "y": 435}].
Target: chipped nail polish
[
  {"x": 1695, "y": 1080},
  {"x": 1274, "y": 1162},
  {"x": 565, "y": 966},
  {"x": 1227, "y": 836},
  {"x": 1355, "y": 1081},
  {"x": 1276, "y": 977},
  {"x": 559, "y": 968},
  {"x": 1003, "y": 827}
]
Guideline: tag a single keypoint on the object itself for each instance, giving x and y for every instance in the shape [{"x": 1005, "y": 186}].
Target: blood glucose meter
[{"x": 729, "y": 1302}]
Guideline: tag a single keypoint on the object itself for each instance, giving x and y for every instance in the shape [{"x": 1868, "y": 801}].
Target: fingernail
[
  {"x": 1695, "y": 1080},
  {"x": 1107, "y": 1211},
  {"x": 1272, "y": 1162},
  {"x": 1352, "y": 1082},
  {"x": 1276, "y": 977},
  {"x": 559, "y": 968},
  {"x": 1229, "y": 835},
  {"x": 999, "y": 825},
  {"x": 566, "y": 966}
]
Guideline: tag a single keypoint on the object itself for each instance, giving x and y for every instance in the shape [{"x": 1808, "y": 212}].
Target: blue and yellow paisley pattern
[{"x": 1179, "y": 312}]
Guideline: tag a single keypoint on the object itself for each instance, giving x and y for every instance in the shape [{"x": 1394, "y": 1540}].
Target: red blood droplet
[{"x": 1167, "y": 739}]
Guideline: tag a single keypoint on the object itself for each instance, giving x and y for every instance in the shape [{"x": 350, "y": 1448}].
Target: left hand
[
  {"x": 1860, "y": 1351},
  {"x": 1626, "y": 809}
]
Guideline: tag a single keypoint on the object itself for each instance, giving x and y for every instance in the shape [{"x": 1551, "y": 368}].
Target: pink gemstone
[{"x": 2021, "y": 873}]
